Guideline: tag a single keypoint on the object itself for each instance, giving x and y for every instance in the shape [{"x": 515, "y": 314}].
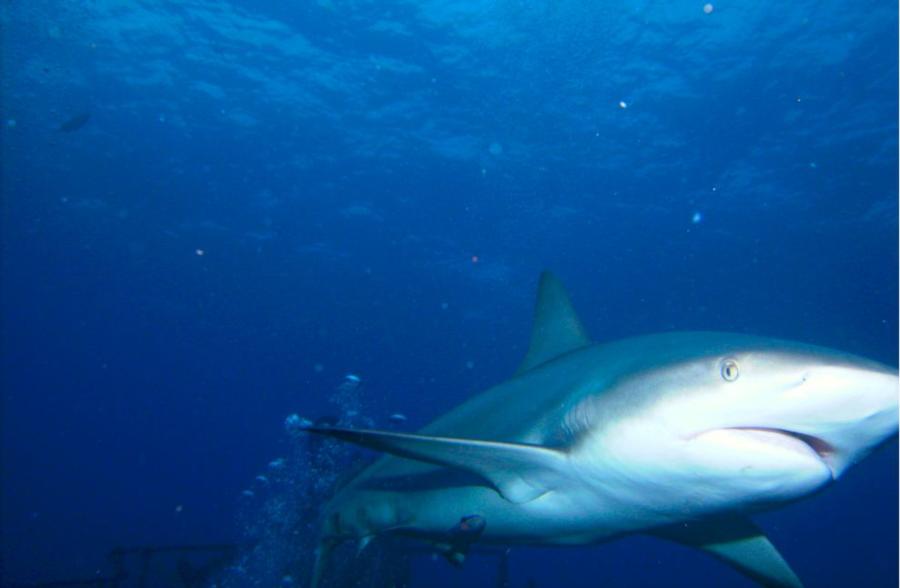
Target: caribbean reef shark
[{"x": 678, "y": 435}]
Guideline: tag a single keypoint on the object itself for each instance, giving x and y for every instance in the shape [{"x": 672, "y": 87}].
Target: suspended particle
[
  {"x": 199, "y": 252},
  {"x": 623, "y": 105},
  {"x": 697, "y": 218},
  {"x": 708, "y": 8}
]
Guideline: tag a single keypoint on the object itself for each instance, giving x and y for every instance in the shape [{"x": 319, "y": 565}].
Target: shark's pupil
[{"x": 730, "y": 370}]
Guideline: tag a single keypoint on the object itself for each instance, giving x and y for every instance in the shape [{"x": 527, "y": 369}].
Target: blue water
[{"x": 267, "y": 196}]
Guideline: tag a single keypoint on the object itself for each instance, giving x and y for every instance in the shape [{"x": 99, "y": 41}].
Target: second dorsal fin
[{"x": 557, "y": 328}]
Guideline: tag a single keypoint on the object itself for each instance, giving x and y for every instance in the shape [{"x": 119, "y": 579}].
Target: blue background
[{"x": 270, "y": 195}]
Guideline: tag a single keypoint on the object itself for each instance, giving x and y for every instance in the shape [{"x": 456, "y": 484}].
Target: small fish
[
  {"x": 461, "y": 537},
  {"x": 74, "y": 123}
]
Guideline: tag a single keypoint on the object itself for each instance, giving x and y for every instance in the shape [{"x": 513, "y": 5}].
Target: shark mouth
[{"x": 791, "y": 440}]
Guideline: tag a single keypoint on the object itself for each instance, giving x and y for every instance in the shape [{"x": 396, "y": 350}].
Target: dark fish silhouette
[{"x": 74, "y": 123}]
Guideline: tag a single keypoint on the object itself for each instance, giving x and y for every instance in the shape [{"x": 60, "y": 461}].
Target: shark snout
[
  {"x": 804, "y": 425},
  {"x": 842, "y": 412}
]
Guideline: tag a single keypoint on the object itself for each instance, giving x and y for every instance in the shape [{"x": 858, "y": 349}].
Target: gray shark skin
[{"x": 677, "y": 435}]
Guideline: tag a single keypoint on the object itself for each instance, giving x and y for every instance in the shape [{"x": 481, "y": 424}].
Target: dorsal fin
[{"x": 557, "y": 328}]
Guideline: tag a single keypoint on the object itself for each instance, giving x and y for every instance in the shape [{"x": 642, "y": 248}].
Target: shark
[{"x": 680, "y": 435}]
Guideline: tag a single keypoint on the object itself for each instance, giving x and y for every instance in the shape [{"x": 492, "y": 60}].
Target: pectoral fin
[
  {"x": 738, "y": 542},
  {"x": 520, "y": 472}
]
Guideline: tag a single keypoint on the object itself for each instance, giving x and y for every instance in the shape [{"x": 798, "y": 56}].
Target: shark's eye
[{"x": 730, "y": 370}]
